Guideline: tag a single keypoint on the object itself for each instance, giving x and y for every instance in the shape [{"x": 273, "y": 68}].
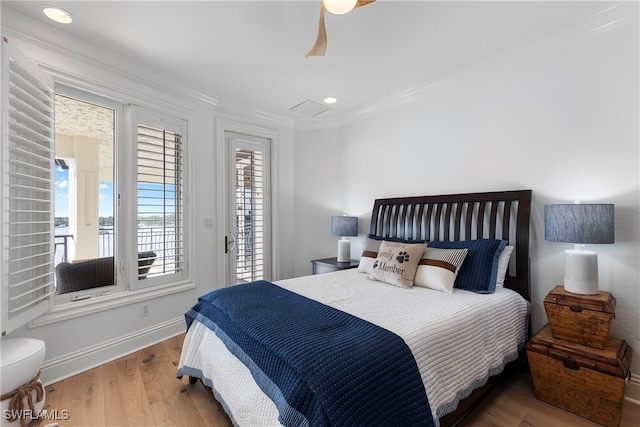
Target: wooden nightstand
[
  {"x": 327, "y": 265},
  {"x": 584, "y": 380},
  {"x": 574, "y": 362},
  {"x": 583, "y": 319}
]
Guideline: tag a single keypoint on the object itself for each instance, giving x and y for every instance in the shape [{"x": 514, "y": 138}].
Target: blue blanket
[{"x": 321, "y": 366}]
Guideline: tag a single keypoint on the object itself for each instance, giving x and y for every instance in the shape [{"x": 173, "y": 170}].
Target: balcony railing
[
  {"x": 62, "y": 241},
  {"x": 146, "y": 242}
]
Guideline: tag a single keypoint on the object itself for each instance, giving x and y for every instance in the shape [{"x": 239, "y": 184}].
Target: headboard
[{"x": 493, "y": 215}]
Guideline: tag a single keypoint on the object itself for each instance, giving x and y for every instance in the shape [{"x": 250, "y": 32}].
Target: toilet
[{"x": 20, "y": 362}]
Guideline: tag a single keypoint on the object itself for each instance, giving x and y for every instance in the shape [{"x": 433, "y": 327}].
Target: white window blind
[
  {"x": 250, "y": 215},
  {"x": 27, "y": 190},
  {"x": 160, "y": 200}
]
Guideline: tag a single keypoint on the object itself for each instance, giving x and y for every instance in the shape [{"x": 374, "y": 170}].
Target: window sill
[{"x": 73, "y": 309}]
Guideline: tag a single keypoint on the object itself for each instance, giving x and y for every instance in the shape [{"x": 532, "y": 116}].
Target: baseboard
[
  {"x": 79, "y": 361},
  {"x": 632, "y": 392}
]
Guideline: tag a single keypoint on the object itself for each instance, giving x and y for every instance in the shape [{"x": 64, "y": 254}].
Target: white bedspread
[{"x": 458, "y": 340}]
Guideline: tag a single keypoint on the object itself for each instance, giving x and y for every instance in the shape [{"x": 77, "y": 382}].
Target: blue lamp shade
[
  {"x": 344, "y": 226},
  {"x": 580, "y": 224}
]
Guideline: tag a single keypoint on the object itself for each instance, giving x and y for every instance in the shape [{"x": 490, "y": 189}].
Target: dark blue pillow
[{"x": 479, "y": 270}]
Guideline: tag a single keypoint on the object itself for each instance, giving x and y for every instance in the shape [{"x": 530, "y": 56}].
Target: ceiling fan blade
[
  {"x": 361, "y": 3},
  {"x": 320, "y": 46}
]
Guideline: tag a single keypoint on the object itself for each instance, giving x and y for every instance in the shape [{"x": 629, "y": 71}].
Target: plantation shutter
[
  {"x": 160, "y": 199},
  {"x": 250, "y": 227},
  {"x": 27, "y": 190}
]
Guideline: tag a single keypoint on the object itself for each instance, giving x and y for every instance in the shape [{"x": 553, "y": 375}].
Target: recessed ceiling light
[
  {"x": 330, "y": 100},
  {"x": 57, "y": 14}
]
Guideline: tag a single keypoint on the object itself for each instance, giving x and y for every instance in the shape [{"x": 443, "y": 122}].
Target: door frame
[
  {"x": 247, "y": 143},
  {"x": 223, "y": 128}
]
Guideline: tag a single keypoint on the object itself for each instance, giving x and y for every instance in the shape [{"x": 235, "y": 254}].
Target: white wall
[
  {"x": 77, "y": 344},
  {"x": 560, "y": 117},
  {"x": 318, "y": 177}
]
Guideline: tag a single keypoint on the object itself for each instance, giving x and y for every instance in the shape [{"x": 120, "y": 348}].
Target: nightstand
[
  {"x": 327, "y": 265},
  {"x": 587, "y": 381},
  {"x": 583, "y": 319},
  {"x": 574, "y": 362}
]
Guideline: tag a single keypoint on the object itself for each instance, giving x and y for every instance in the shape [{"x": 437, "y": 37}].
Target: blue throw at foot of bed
[{"x": 324, "y": 367}]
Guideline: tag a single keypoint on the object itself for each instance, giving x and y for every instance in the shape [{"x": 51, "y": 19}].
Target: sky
[{"x": 105, "y": 203}]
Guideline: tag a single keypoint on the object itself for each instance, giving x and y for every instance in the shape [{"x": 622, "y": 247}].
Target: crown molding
[
  {"x": 318, "y": 123},
  {"x": 236, "y": 108},
  {"x": 133, "y": 73},
  {"x": 52, "y": 40}
]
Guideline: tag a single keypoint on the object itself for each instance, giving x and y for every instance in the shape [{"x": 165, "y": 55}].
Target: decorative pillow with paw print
[{"x": 396, "y": 263}]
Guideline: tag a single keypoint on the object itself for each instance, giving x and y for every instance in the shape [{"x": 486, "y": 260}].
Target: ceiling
[{"x": 252, "y": 53}]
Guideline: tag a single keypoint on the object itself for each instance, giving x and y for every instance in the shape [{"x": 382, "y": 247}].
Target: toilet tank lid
[{"x": 16, "y": 349}]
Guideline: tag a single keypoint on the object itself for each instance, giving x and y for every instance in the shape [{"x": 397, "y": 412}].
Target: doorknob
[{"x": 228, "y": 242}]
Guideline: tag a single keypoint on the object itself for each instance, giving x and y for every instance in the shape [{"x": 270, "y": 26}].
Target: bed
[{"x": 368, "y": 346}]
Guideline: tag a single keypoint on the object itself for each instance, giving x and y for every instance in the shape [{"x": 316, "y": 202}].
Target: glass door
[{"x": 247, "y": 243}]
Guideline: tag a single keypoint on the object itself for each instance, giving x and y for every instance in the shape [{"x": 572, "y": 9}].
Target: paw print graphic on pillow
[
  {"x": 397, "y": 263},
  {"x": 402, "y": 257}
]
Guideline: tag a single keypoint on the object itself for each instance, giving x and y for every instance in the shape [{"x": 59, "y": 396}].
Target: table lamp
[
  {"x": 580, "y": 224},
  {"x": 344, "y": 226}
]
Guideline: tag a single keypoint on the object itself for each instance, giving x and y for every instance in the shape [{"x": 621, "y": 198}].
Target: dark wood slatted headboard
[{"x": 494, "y": 215}]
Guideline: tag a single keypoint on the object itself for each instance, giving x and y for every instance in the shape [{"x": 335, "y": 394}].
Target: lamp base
[
  {"x": 581, "y": 271},
  {"x": 344, "y": 250}
]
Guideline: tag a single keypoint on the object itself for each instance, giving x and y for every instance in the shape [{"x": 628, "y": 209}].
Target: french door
[{"x": 248, "y": 240}]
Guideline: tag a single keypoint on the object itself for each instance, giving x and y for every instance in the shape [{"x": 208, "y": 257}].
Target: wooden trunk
[
  {"x": 583, "y": 319},
  {"x": 586, "y": 381}
]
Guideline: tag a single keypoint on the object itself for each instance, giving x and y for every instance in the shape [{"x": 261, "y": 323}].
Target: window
[
  {"x": 251, "y": 215},
  {"x": 27, "y": 190},
  {"x": 155, "y": 194},
  {"x": 84, "y": 208},
  {"x": 130, "y": 194},
  {"x": 160, "y": 201}
]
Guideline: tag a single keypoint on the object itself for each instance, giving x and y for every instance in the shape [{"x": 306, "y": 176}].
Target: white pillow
[
  {"x": 503, "y": 265},
  {"x": 438, "y": 268}
]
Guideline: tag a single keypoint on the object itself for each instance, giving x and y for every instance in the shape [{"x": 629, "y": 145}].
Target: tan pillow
[{"x": 396, "y": 263}]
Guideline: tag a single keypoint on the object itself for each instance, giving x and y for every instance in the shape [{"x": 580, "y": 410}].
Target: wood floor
[{"x": 141, "y": 390}]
